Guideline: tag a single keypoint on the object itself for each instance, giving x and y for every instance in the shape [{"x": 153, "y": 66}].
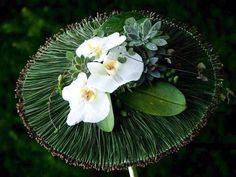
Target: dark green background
[{"x": 24, "y": 26}]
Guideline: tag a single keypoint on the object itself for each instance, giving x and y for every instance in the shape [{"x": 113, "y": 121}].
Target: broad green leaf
[
  {"x": 160, "y": 99},
  {"x": 116, "y": 22},
  {"x": 107, "y": 124}
]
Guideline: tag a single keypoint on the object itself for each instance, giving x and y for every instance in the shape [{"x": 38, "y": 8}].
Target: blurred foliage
[{"x": 24, "y": 26}]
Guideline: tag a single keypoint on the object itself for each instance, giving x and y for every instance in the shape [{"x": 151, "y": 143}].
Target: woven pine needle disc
[{"x": 139, "y": 138}]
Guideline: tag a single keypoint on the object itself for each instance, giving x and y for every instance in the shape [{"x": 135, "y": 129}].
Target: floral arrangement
[
  {"x": 116, "y": 64},
  {"x": 119, "y": 90}
]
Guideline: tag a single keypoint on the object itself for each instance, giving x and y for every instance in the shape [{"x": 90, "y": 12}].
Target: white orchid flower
[
  {"x": 98, "y": 47},
  {"x": 87, "y": 104},
  {"x": 111, "y": 74}
]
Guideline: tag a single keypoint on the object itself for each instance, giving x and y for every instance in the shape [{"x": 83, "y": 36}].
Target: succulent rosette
[{"x": 119, "y": 90}]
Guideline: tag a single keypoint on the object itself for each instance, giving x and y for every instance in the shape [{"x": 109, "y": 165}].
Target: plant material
[
  {"x": 142, "y": 32},
  {"x": 201, "y": 67},
  {"x": 108, "y": 123},
  {"x": 160, "y": 99},
  {"x": 83, "y": 99},
  {"x": 113, "y": 72},
  {"x": 153, "y": 69},
  {"x": 44, "y": 112}
]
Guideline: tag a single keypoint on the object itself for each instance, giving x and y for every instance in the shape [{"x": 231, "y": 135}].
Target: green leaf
[
  {"x": 151, "y": 35},
  {"x": 132, "y": 36},
  {"x": 159, "y": 42},
  {"x": 80, "y": 60},
  {"x": 98, "y": 32},
  {"x": 160, "y": 99},
  {"x": 156, "y": 26},
  {"x": 151, "y": 46},
  {"x": 128, "y": 29},
  {"x": 70, "y": 55},
  {"x": 155, "y": 74},
  {"x": 116, "y": 22},
  {"x": 107, "y": 124},
  {"x": 130, "y": 21},
  {"x": 166, "y": 37},
  {"x": 153, "y": 60},
  {"x": 135, "y": 43},
  {"x": 146, "y": 26}
]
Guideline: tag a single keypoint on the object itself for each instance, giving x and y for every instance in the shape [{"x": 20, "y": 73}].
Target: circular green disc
[{"x": 137, "y": 139}]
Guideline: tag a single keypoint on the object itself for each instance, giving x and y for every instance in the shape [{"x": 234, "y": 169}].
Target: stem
[{"x": 132, "y": 171}]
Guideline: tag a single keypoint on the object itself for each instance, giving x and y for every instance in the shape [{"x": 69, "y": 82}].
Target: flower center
[
  {"x": 111, "y": 66},
  {"x": 95, "y": 49},
  {"x": 87, "y": 93}
]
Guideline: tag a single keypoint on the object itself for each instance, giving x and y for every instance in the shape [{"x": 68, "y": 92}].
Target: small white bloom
[
  {"x": 111, "y": 74},
  {"x": 87, "y": 104},
  {"x": 98, "y": 47}
]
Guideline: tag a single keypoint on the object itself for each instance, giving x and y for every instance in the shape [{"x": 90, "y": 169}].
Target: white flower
[
  {"x": 98, "y": 47},
  {"x": 111, "y": 74},
  {"x": 87, "y": 104}
]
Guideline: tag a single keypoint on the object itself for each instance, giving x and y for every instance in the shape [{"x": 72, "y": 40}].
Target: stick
[{"x": 132, "y": 171}]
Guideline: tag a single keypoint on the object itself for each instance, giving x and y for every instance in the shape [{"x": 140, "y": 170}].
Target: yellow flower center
[
  {"x": 87, "y": 93},
  {"x": 111, "y": 66},
  {"x": 96, "y": 49}
]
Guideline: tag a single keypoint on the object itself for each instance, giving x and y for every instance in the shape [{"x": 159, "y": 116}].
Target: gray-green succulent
[{"x": 143, "y": 33}]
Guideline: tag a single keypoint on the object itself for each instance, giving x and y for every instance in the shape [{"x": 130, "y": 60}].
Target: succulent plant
[{"x": 142, "y": 32}]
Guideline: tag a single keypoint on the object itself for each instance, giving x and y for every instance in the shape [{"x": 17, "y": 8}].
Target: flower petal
[
  {"x": 96, "y": 68},
  {"x": 132, "y": 69},
  {"x": 113, "y": 40},
  {"x": 83, "y": 50},
  {"x": 102, "y": 57},
  {"x": 103, "y": 83},
  {"x": 98, "y": 109},
  {"x": 81, "y": 109},
  {"x": 76, "y": 115},
  {"x": 71, "y": 92}
]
